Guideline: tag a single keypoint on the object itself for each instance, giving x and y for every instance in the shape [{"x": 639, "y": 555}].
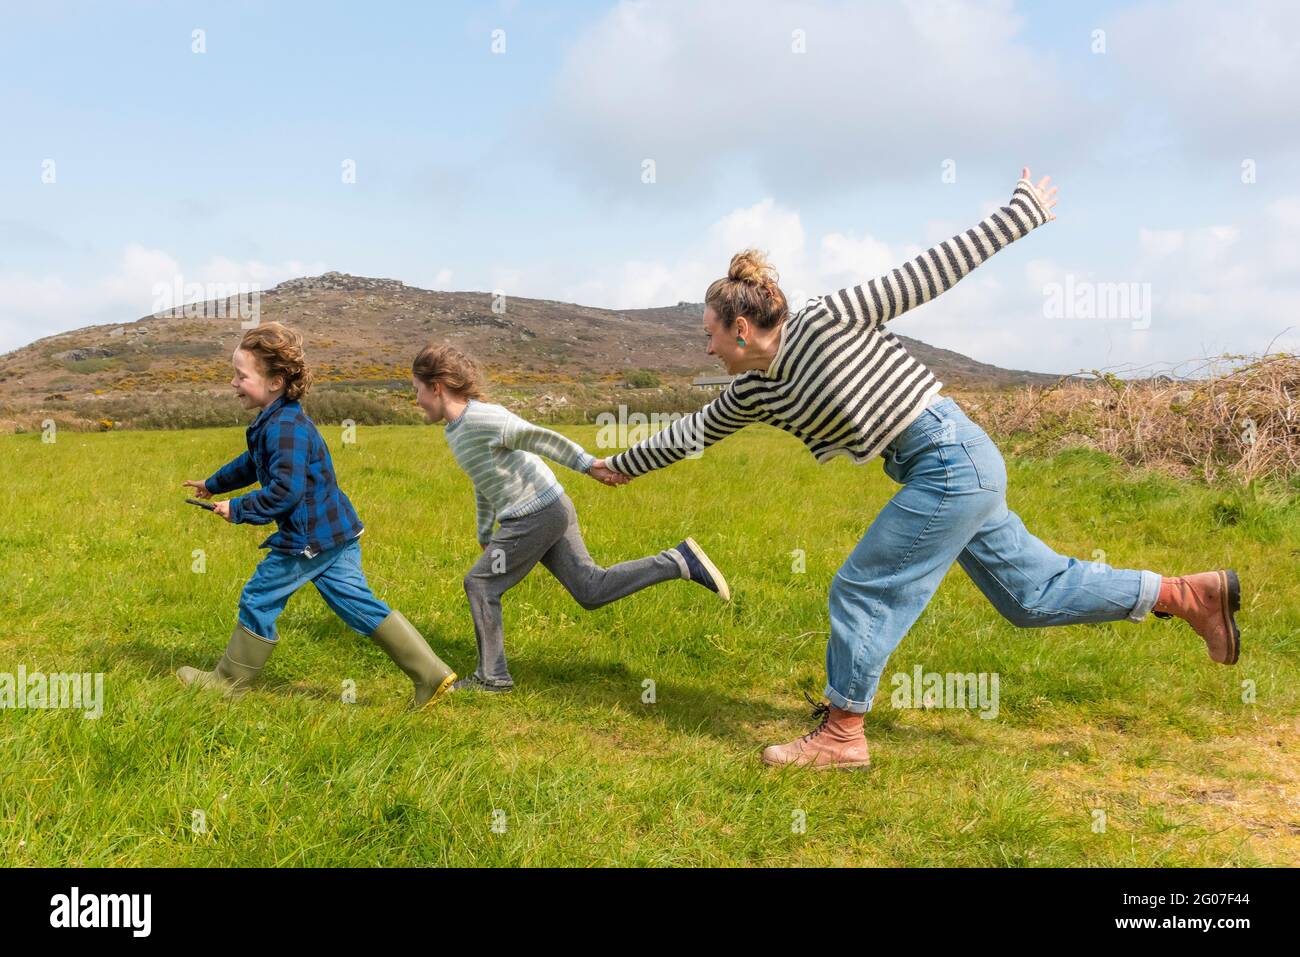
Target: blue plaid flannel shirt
[{"x": 288, "y": 457}]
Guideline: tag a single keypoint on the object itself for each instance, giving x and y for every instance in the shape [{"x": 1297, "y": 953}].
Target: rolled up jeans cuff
[
  {"x": 1148, "y": 593},
  {"x": 843, "y": 703},
  {"x": 254, "y": 632},
  {"x": 676, "y": 556}
]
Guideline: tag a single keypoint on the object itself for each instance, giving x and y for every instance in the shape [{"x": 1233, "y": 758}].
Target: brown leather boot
[
  {"x": 836, "y": 742},
  {"x": 1207, "y": 602}
]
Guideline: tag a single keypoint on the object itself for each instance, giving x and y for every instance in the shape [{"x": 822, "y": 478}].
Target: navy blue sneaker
[
  {"x": 475, "y": 683},
  {"x": 703, "y": 571}
]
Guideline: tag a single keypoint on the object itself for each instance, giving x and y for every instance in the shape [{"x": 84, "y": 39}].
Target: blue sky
[{"x": 522, "y": 170}]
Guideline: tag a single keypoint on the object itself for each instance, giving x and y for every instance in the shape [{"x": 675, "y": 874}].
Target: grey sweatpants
[{"x": 549, "y": 536}]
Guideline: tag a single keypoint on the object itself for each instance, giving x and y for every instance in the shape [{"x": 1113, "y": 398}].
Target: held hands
[
  {"x": 1046, "y": 197},
  {"x": 602, "y": 473}
]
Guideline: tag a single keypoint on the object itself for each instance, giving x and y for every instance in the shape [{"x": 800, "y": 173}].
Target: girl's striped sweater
[
  {"x": 839, "y": 381},
  {"x": 499, "y": 452}
]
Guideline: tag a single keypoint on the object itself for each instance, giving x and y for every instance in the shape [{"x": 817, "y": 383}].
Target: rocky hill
[{"x": 361, "y": 333}]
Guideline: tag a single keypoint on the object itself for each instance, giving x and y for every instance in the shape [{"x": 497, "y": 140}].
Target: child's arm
[
  {"x": 940, "y": 268},
  {"x": 288, "y": 443},
  {"x": 521, "y": 434},
  {"x": 486, "y": 517},
  {"x": 236, "y": 474}
]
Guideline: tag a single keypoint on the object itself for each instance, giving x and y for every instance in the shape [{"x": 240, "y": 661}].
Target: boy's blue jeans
[
  {"x": 952, "y": 507},
  {"x": 336, "y": 574}
]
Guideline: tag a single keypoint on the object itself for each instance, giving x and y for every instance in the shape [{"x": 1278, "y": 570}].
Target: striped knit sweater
[
  {"x": 839, "y": 381},
  {"x": 498, "y": 450}
]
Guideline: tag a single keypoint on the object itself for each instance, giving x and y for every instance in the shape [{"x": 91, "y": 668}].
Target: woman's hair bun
[
  {"x": 751, "y": 265},
  {"x": 749, "y": 289}
]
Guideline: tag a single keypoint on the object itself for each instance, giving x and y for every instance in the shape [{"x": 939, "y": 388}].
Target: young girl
[
  {"x": 499, "y": 451},
  {"x": 318, "y": 528}
]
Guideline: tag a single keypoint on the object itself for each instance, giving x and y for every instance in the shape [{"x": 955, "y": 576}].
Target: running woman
[{"x": 834, "y": 375}]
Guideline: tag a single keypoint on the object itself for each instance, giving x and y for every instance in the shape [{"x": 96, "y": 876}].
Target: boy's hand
[
  {"x": 605, "y": 475},
  {"x": 200, "y": 489},
  {"x": 222, "y": 509}
]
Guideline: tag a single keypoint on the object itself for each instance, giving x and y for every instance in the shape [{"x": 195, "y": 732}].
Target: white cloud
[
  {"x": 138, "y": 272},
  {"x": 32, "y": 307},
  {"x": 1226, "y": 75},
  {"x": 219, "y": 269},
  {"x": 1213, "y": 289},
  {"x": 884, "y": 91},
  {"x": 807, "y": 267},
  {"x": 1285, "y": 212},
  {"x": 887, "y": 91},
  {"x": 766, "y": 225},
  {"x": 1233, "y": 288},
  {"x": 847, "y": 256}
]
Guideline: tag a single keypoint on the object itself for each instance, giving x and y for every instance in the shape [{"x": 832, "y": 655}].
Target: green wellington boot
[
  {"x": 243, "y": 660},
  {"x": 412, "y": 654}
]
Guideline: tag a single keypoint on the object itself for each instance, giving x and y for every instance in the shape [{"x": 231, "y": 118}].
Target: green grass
[{"x": 95, "y": 575}]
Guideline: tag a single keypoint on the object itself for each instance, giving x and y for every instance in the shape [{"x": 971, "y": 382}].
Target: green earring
[{"x": 740, "y": 340}]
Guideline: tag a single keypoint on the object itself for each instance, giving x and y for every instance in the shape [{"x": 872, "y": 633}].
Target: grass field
[{"x": 96, "y": 575}]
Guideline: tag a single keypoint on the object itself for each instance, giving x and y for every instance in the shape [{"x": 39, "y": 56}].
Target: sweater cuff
[
  {"x": 585, "y": 462},
  {"x": 236, "y": 510},
  {"x": 1032, "y": 198},
  {"x": 622, "y": 465}
]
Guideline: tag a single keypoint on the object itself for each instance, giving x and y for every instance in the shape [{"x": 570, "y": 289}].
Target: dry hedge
[{"x": 1237, "y": 419}]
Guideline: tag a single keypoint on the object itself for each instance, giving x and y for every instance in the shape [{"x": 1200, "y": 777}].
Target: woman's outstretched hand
[
  {"x": 1046, "y": 197},
  {"x": 602, "y": 473}
]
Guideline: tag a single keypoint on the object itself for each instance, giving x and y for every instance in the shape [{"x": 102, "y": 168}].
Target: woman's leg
[
  {"x": 889, "y": 578},
  {"x": 593, "y": 586},
  {"x": 1033, "y": 586}
]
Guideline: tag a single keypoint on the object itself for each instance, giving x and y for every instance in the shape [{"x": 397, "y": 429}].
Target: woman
[{"x": 835, "y": 377}]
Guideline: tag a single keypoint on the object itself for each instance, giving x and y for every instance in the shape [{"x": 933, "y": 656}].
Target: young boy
[
  {"x": 514, "y": 487},
  {"x": 318, "y": 528}
]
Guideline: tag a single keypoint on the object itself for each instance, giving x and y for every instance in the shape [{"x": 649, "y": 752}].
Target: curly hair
[
  {"x": 749, "y": 289},
  {"x": 453, "y": 368},
  {"x": 278, "y": 352}
]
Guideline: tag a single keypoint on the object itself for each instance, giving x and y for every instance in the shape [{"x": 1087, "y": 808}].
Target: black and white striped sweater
[{"x": 839, "y": 381}]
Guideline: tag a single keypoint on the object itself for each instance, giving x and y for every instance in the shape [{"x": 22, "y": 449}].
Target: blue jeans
[
  {"x": 336, "y": 574},
  {"x": 952, "y": 507}
]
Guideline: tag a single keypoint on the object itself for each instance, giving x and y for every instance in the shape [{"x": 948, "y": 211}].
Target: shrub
[
  {"x": 642, "y": 379},
  {"x": 336, "y": 405},
  {"x": 1241, "y": 422},
  {"x": 87, "y": 366}
]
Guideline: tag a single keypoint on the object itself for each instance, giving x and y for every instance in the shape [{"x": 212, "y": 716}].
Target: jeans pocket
[
  {"x": 987, "y": 461},
  {"x": 899, "y": 461}
]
